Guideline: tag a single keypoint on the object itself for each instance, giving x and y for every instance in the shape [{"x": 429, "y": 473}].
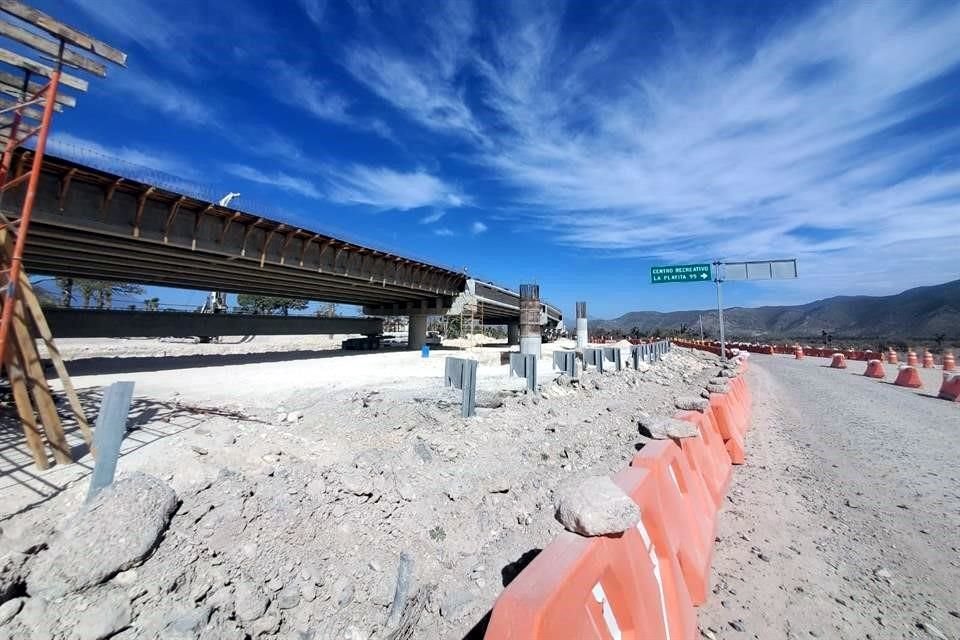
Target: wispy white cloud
[
  {"x": 424, "y": 85},
  {"x": 386, "y": 188},
  {"x": 710, "y": 149},
  {"x": 433, "y": 217},
  {"x": 277, "y": 179},
  {"x": 302, "y": 89},
  {"x": 444, "y": 232},
  {"x": 477, "y": 228},
  {"x": 188, "y": 107},
  {"x": 315, "y": 10},
  {"x": 67, "y": 143},
  {"x": 166, "y": 97},
  {"x": 140, "y": 20},
  {"x": 151, "y": 165}
]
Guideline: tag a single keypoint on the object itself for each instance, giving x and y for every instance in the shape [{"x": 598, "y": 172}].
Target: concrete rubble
[
  {"x": 363, "y": 515},
  {"x": 595, "y": 506}
]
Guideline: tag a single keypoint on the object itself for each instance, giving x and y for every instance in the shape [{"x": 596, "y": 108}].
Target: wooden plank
[
  {"x": 16, "y": 94},
  {"x": 51, "y": 48},
  {"x": 111, "y": 427},
  {"x": 40, "y": 322},
  {"x": 60, "y": 30},
  {"x": 21, "y": 401},
  {"x": 10, "y": 81},
  {"x": 42, "y": 397},
  {"x": 30, "y": 113},
  {"x": 17, "y": 60}
]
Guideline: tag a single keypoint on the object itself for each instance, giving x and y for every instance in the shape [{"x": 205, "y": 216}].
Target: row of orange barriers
[{"x": 642, "y": 584}]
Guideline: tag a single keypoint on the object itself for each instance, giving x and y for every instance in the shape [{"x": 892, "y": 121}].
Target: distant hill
[{"x": 923, "y": 312}]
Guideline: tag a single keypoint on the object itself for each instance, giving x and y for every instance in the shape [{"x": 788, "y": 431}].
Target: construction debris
[{"x": 380, "y": 515}]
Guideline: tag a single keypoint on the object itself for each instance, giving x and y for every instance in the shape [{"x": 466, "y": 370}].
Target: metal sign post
[
  {"x": 750, "y": 270},
  {"x": 719, "y": 280}
]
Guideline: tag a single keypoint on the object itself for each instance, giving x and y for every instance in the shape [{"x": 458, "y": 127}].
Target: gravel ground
[
  {"x": 303, "y": 489},
  {"x": 845, "y": 521}
]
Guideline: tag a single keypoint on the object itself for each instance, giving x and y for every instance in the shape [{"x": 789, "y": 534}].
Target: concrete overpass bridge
[{"x": 89, "y": 223}]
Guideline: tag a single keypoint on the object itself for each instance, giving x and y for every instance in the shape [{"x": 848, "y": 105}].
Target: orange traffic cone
[
  {"x": 912, "y": 358},
  {"x": 798, "y": 353},
  {"x": 927, "y": 359},
  {"x": 839, "y": 361},
  {"x": 892, "y": 357},
  {"x": 949, "y": 364},
  {"x": 875, "y": 369}
]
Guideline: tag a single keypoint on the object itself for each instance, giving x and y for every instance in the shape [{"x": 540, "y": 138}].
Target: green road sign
[{"x": 680, "y": 273}]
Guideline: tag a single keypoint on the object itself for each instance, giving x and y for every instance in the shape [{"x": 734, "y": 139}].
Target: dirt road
[{"x": 845, "y": 522}]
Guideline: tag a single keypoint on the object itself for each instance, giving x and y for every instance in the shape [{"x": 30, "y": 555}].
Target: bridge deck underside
[{"x": 88, "y": 223}]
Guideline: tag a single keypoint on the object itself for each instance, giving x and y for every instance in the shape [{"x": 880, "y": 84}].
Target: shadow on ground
[
  {"x": 105, "y": 365},
  {"x": 149, "y": 421}
]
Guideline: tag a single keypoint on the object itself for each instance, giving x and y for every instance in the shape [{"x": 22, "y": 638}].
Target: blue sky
[{"x": 569, "y": 144}]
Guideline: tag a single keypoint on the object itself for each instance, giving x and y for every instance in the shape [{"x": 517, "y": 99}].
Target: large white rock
[
  {"x": 117, "y": 530},
  {"x": 663, "y": 428},
  {"x": 108, "y": 615},
  {"x": 691, "y": 403},
  {"x": 595, "y": 506}
]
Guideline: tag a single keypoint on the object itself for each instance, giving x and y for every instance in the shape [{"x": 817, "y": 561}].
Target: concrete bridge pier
[
  {"x": 582, "y": 333},
  {"x": 417, "y": 331},
  {"x": 530, "y": 339},
  {"x": 513, "y": 333}
]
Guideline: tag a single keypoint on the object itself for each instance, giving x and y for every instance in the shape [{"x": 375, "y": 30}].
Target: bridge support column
[
  {"x": 530, "y": 340},
  {"x": 582, "y": 333},
  {"x": 513, "y": 333},
  {"x": 417, "y": 331}
]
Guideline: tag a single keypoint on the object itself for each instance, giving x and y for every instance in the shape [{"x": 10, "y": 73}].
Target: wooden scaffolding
[{"x": 27, "y": 108}]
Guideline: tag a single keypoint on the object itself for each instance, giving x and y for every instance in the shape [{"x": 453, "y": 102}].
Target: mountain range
[{"x": 922, "y": 312}]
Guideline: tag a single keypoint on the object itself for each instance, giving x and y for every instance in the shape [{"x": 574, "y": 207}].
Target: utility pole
[{"x": 701, "y": 326}]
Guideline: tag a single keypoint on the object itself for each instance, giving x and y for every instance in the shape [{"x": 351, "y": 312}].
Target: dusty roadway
[{"x": 845, "y": 522}]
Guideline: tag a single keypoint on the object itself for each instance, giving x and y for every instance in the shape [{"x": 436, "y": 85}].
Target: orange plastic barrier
[
  {"x": 875, "y": 370},
  {"x": 654, "y": 531},
  {"x": 742, "y": 394},
  {"x": 927, "y": 360},
  {"x": 892, "y": 357},
  {"x": 949, "y": 363},
  {"x": 739, "y": 398},
  {"x": 707, "y": 455},
  {"x": 950, "y": 388},
  {"x": 626, "y": 586},
  {"x": 730, "y": 422},
  {"x": 912, "y": 359},
  {"x": 839, "y": 361},
  {"x": 798, "y": 353},
  {"x": 908, "y": 377},
  {"x": 689, "y": 513}
]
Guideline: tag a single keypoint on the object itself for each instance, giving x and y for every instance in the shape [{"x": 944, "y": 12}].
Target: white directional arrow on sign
[{"x": 703, "y": 276}]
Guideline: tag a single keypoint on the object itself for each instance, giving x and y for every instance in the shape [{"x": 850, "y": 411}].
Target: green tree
[
  {"x": 453, "y": 326},
  {"x": 152, "y": 304},
  {"x": 327, "y": 310},
  {"x": 66, "y": 291},
  {"x": 100, "y": 292},
  {"x": 250, "y": 303}
]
